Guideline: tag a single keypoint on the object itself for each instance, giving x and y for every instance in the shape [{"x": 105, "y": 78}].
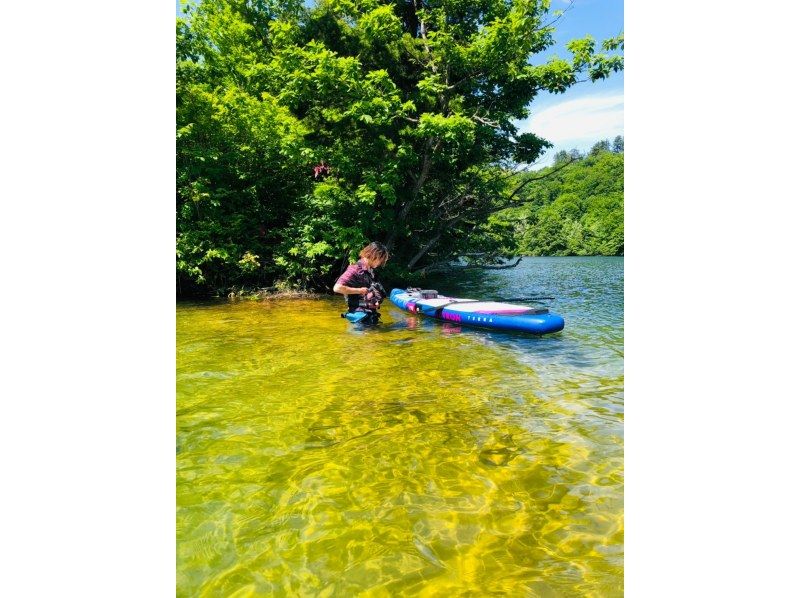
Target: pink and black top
[{"x": 357, "y": 275}]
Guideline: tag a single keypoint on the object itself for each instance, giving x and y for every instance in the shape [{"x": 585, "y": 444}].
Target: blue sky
[{"x": 587, "y": 112}]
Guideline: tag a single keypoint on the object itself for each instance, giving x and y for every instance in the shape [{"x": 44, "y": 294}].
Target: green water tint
[{"x": 315, "y": 459}]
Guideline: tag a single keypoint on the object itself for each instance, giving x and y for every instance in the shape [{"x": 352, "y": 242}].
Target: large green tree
[{"x": 303, "y": 133}]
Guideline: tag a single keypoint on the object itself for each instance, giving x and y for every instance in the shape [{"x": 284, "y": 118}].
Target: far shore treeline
[{"x": 305, "y": 132}]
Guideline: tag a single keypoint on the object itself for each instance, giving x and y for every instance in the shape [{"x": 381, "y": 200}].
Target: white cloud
[{"x": 578, "y": 123}]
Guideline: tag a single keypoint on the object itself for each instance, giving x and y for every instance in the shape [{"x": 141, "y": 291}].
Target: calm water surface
[{"x": 418, "y": 458}]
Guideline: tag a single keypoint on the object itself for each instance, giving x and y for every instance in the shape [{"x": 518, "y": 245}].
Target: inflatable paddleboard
[{"x": 473, "y": 312}]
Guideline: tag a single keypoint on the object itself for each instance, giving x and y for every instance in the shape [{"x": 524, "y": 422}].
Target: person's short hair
[{"x": 375, "y": 251}]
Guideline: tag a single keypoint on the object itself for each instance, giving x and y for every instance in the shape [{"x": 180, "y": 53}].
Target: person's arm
[
  {"x": 345, "y": 290},
  {"x": 343, "y": 283}
]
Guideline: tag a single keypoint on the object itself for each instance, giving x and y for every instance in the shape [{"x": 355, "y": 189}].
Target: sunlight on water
[{"x": 318, "y": 459}]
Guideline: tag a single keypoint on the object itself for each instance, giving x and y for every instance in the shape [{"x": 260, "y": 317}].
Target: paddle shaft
[{"x": 522, "y": 299}]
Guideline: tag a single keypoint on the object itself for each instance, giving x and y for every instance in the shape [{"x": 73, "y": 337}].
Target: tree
[
  {"x": 575, "y": 154},
  {"x": 619, "y": 145},
  {"x": 560, "y": 157},
  {"x": 409, "y": 103},
  {"x": 600, "y": 146}
]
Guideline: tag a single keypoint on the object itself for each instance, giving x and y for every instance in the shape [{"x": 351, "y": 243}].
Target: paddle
[
  {"x": 500, "y": 300},
  {"x": 515, "y": 299}
]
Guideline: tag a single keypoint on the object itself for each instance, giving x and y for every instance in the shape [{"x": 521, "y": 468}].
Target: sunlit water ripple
[{"x": 419, "y": 458}]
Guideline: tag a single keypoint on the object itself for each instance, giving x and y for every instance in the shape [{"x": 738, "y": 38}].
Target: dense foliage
[
  {"x": 303, "y": 133},
  {"x": 575, "y": 208}
]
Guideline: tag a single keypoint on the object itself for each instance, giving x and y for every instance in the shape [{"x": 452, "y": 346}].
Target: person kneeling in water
[{"x": 362, "y": 292}]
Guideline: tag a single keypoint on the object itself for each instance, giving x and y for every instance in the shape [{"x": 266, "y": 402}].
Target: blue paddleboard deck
[{"x": 473, "y": 312}]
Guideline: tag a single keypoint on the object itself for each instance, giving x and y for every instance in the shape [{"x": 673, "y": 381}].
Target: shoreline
[
  {"x": 269, "y": 294},
  {"x": 253, "y": 295}
]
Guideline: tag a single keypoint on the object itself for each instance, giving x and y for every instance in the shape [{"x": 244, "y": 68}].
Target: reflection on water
[{"x": 315, "y": 458}]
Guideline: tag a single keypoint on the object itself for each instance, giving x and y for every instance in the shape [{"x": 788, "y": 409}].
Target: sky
[{"x": 587, "y": 112}]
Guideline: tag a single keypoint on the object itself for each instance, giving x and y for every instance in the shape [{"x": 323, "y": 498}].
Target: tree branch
[
  {"x": 558, "y": 18},
  {"x": 425, "y": 248},
  {"x": 486, "y": 121},
  {"x": 440, "y": 265},
  {"x": 447, "y": 265},
  {"x": 464, "y": 80},
  {"x": 539, "y": 178},
  {"x": 423, "y": 34},
  {"x": 493, "y": 267}
]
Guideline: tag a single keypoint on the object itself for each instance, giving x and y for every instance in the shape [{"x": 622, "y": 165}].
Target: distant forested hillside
[{"x": 576, "y": 210}]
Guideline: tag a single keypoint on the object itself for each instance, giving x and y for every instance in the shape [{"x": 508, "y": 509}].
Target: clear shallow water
[{"x": 419, "y": 458}]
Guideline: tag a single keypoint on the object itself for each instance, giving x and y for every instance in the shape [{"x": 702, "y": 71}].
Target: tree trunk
[
  {"x": 425, "y": 249},
  {"x": 406, "y": 208}
]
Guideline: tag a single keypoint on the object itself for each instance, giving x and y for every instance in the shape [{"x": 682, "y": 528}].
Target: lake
[{"x": 419, "y": 458}]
